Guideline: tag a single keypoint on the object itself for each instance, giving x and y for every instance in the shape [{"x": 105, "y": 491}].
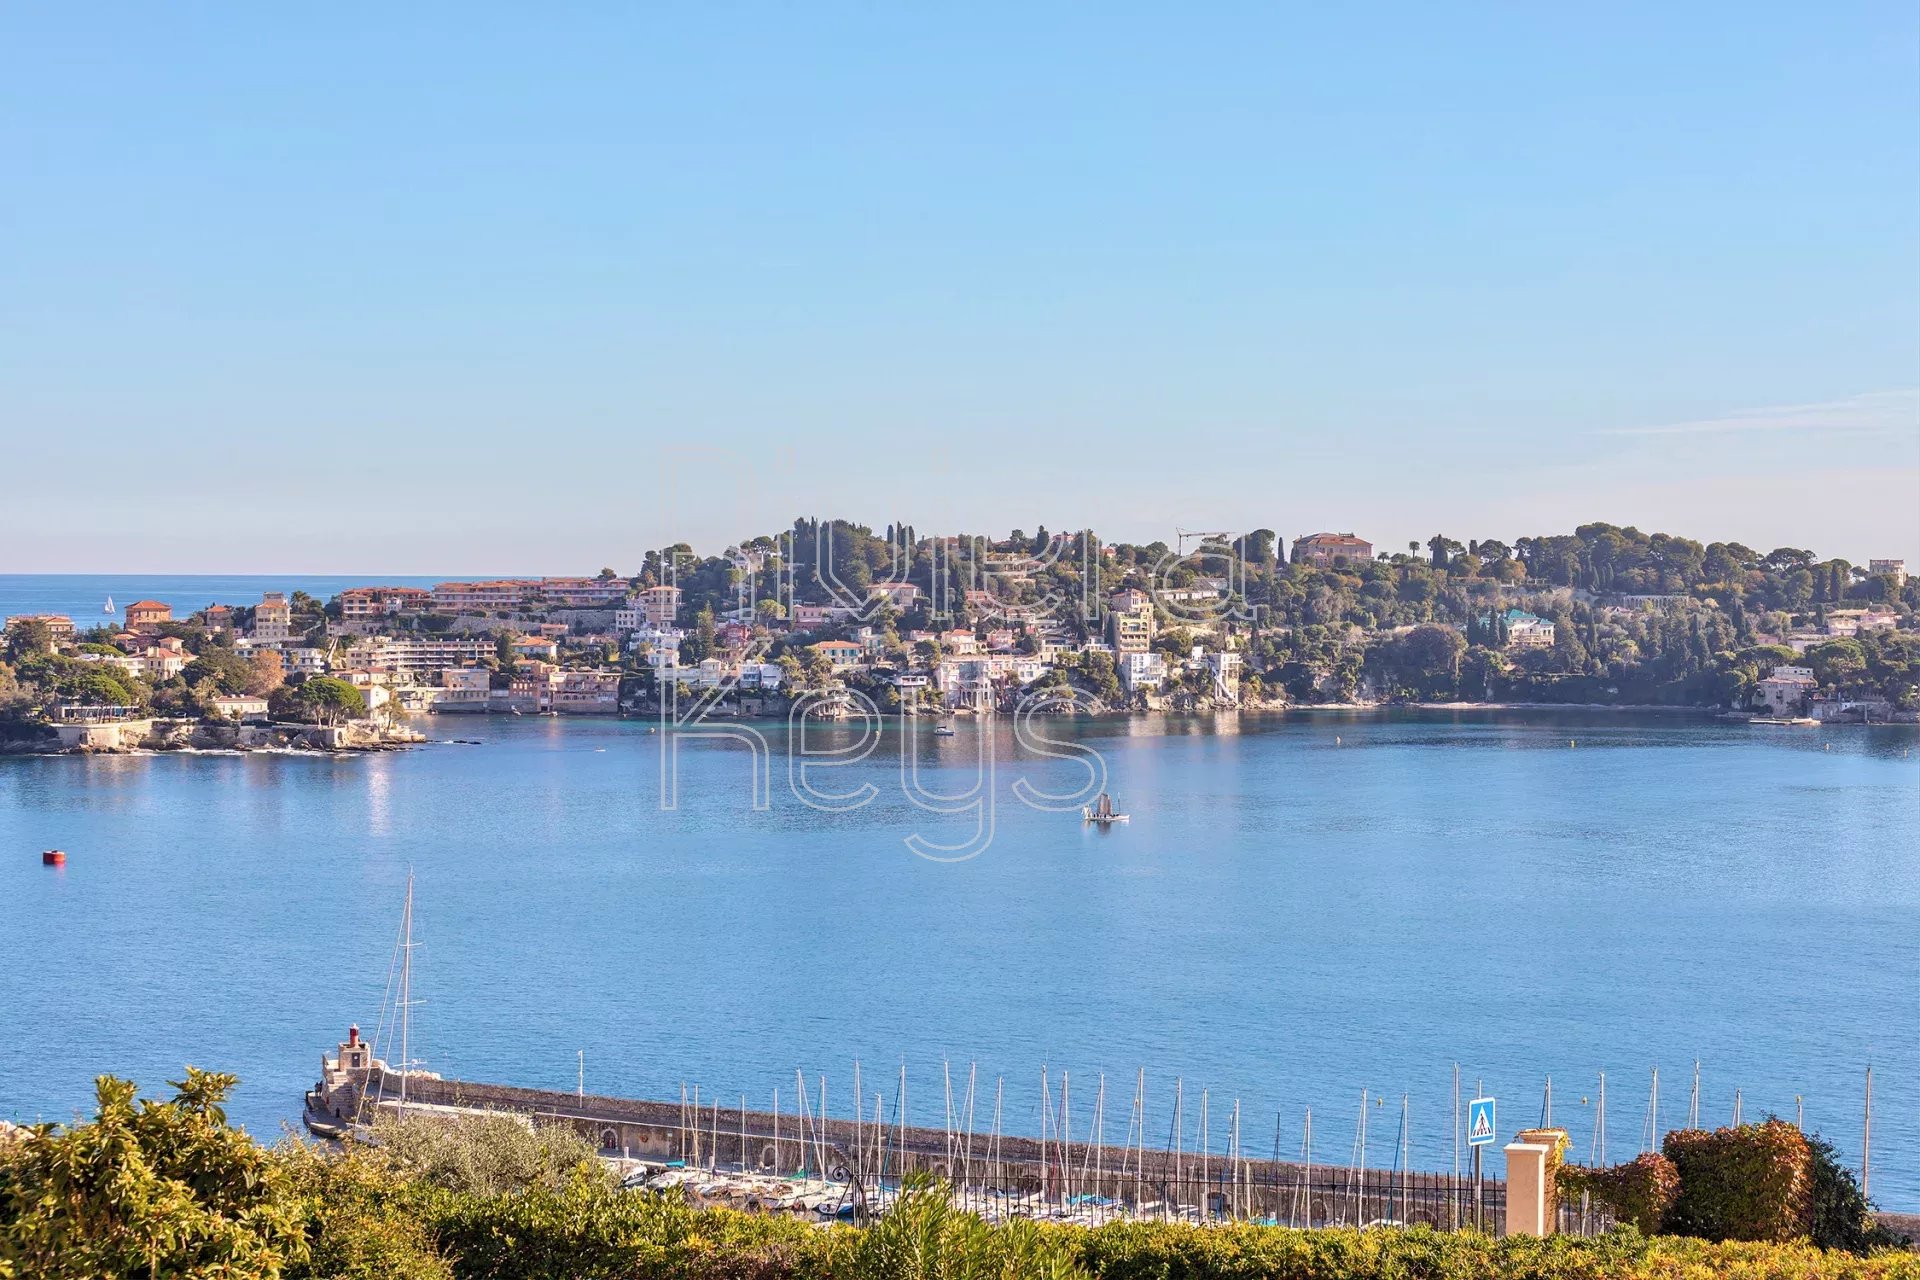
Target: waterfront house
[
  {"x": 1326, "y": 550},
  {"x": 1787, "y": 691},
  {"x": 1141, "y": 671},
  {"x": 239, "y": 706},
  {"x": 843, "y": 654}
]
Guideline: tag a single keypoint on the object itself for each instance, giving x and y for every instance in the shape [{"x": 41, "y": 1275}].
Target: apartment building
[
  {"x": 273, "y": 619},
  {"x": 359, "y": 604}
]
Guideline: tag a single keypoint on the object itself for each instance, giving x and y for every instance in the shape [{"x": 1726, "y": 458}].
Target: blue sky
[{"x": 473, "y": 287}]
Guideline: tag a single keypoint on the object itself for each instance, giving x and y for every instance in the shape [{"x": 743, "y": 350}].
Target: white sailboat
[{"x": 107, "y": 608}]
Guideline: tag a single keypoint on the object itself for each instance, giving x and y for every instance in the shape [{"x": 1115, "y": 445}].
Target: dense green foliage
[
  {"x": 1639, "y": 1192},
  {"x": 167, "y": 1189},
  {"x": 147, "y": 1189},
  {"x": 1747, "y": 1182}
]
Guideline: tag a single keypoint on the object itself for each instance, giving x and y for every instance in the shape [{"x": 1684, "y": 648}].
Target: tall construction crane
[{"x": 1181, "y": 536}]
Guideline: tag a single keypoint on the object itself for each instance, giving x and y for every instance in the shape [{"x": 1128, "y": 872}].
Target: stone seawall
[
  {"x": 665, "y": 1131},
  {"x": 152, "y": 734}
]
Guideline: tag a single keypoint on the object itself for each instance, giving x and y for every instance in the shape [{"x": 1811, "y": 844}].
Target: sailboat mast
[{"x": 406, "y": 994}]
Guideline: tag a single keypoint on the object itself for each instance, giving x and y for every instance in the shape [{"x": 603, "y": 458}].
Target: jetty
[{"x": 838, "y": 1160}]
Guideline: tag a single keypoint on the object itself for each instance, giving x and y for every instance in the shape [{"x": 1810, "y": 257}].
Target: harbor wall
[{"x": 1124, "y": 1172}]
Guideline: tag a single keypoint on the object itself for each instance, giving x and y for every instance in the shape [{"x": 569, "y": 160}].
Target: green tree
[
  {"x": 319, "y": 700},
  {"x": 147, "y": 1189},
  {"x": 27, "y": 637}
]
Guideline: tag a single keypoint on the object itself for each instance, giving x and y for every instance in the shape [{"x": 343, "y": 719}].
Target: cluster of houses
[{"x": 438, "y": 648}]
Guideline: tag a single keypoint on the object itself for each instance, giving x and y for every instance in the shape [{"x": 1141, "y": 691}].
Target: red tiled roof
[{"x": 148, "y": 604}]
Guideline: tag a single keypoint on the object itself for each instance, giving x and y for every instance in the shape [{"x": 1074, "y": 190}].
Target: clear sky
[{"x": 516, "y": 288}]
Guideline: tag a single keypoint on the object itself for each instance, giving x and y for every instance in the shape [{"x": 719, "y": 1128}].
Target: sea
[{"x": 1336, "y": 910}]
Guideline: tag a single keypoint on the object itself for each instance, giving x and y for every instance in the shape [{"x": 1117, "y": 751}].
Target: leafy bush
[
  {"x": 484, "y": 1154},
  {"x": 1640, "y": 1192},
  {"x": 147, "y": 1189},
  {"x": 1841, "y": 1215},
  {"x": 1751, "y": 1182}
]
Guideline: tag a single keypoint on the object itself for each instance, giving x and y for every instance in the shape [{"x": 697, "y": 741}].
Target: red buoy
[{"x": 53, "y": 858}]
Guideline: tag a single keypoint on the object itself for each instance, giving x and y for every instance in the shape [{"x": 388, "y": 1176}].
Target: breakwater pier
[{"x": 852, "y": 1164}]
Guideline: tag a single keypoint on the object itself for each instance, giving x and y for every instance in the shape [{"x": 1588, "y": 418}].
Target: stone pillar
[{"x": 1529, "y": 1198}]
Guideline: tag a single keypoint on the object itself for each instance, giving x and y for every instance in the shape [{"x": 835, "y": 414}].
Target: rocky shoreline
[{"x": 139, "y": 737}]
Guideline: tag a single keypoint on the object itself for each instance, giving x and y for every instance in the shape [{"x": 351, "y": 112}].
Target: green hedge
[
  {"x": 1750, "y": 1182},
  {"x": 1640, "y": 1192}
]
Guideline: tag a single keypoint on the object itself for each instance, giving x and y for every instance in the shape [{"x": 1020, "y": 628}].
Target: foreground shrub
[
  {"x": 146, "y": 1189},
  {"x": 1151, "y": 1251},
  {"x": 362, "y": 1218},
  {"x": 1840, "y": 1215},
  {"x": 1639, "y": 1193},
  {"x": 1751, "y": 1182},
  {"x": 485, "y": 1154},
  {"x": 923, "y": 1237}
]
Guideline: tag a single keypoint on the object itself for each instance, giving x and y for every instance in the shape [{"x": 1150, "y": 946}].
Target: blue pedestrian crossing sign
[{"x": 1480, "y": 1122}]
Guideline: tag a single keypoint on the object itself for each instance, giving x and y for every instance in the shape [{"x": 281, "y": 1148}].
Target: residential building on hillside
[
  {"x": 1325, "y": 550},
  {"x": 843, "y": 654},
  {"x": 1895, "y": 569},
  {"x": 273, "y": 618},
  {"x": 1528, "y": 631},
  {"x": 59, "y": 626},
  {"x": 901, "y": 595},
  {"x": 500, "y": 595},
  {"x": 1131, "y": 629},
  {"x": 580, "y": 593},
  {"x": 147, "y": 615},
  {"x": 660, "y": 606},
  {"x": 1851, "y": 622},
  {"x": 304, "y": 660},
  {"x": 414, "y": 654},
  {"x": 812, "y": 617},
  {"x": 358, "y": 604}
]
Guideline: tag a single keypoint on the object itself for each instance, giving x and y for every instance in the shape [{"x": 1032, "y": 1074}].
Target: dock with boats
[{"x": 813, "y": 1155}]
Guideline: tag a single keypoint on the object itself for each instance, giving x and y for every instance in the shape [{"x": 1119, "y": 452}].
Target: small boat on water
[
  {"x": 1101, "y": 812},
  {"x": 107, "y": 608},
  {"x": 53, "y": 858},
  {"x": 944, "y": 730}
]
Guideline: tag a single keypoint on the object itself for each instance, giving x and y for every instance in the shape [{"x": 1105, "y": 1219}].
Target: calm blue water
[
  {"x": 1289, "y": 917},
  {"x": 83, "y": 596}
]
